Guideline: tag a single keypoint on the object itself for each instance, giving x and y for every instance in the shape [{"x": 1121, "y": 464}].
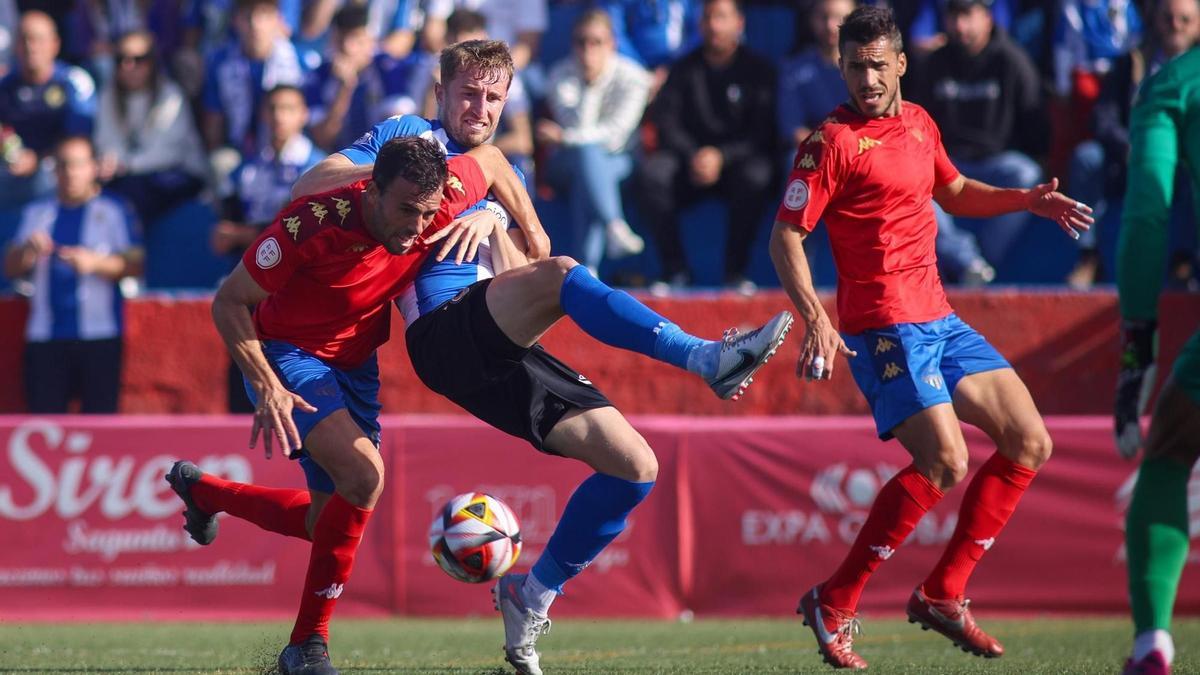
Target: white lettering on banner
[
  {"x": 783, "y": 527},
  {"x": 33, "y": 576},
  {"x": 144, "y": 575},
  {"x": 119, "y": 485},
  {"x": 226, "y": 573},
  {"x": 110, "y": 543}
]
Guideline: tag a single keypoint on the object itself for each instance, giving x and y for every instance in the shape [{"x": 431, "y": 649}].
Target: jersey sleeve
[
  {"x": 465, "y": 187},
  {"x": 366, "y": 148},
  {"x": 817, "y": 173},
  {"x": 276, "y": 255}
]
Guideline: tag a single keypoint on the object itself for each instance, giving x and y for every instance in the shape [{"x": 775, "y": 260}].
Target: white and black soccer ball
[{"x": 475, "y": 537}]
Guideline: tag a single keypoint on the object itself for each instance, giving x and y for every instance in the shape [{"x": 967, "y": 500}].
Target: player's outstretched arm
[
  {"x": 510, "y": 191},
  {"x": 332, "y": 172},
  {"x": 822, "y": 343},
  {"x": 231, "y": 314},
  {"x": 970, "y": 198}
]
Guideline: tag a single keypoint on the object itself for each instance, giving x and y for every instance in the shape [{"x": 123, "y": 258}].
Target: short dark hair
[
  {"x": 248, "y": 5},
  {"x": 75, "y": 138},
  {"x": 417, "y": 160},
  {"x": 351, "y": 17},
  {"x": 285, "y": 87},
  {"x": 463, "y": 21},
  {"x": 491, "y": 58},
  {"x": 739, "y": 5},
  {"x": 867, "y": 24}
]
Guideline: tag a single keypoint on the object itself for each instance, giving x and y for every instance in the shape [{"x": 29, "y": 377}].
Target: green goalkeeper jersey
[{"x": 1164, "y": 131}]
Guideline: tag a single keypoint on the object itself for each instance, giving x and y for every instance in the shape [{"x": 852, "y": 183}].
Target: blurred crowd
[{"x": 115, "y": 112}]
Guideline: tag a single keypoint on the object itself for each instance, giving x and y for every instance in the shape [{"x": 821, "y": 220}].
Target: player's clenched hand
[
  {"x": 821, "y": 346},
  {"x": 1072, "y": 216},
  {"x": 537, "y": 244},
  {"x": 273, "y": 417},
  {"x": 466, "y": 233},
  {"x": 1135, "y": 381}
]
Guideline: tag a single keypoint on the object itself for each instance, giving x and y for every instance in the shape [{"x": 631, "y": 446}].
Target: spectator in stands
[
  {"x": 1097, "y": 173},
  {"x": 77, "y": 246},
  {"x": 514, "y": 135},
  {"x": 263, "y": 183},
  {"x": 984, "y": 93},
  {"x": 100, "y": 24},
  {"x": 8, "y": 33},
  {"x": 654, "y": 34},
  {"x": 716, "y": 129},
  {"x": 41, "y": 102},
  {"x": 358, "y": 85},
  {"x": 596, "y": 99},
  {"x": 150, "y": 151},
  {"x": 388, "y": 22},
  {"x": 238, "y": 74},
  {"x": 810, "y": 83},
  {"x": 520, "y": 23}
]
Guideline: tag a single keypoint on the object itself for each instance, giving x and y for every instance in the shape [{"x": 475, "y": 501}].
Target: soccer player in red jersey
[
  {"x": 870, "y": 170},
  {"x": 321, "y": 280}
]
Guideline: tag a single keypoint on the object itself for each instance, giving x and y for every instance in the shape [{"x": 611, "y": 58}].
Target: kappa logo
[
  {"x": 986, "y": 543},
  {"x": 456, "y": 183},
  {"x": 796, "y": 195},
  {"x": 884, "y": 346},
  {"x": 866, "y": 143},
  {"x": 343, "y": 207},
  {"x": 817, "y": 136},
  {"x": 357, "y": 248},
  {"x": 807, "y": 162},
  {"x": 333, "y": 592},
  {"x": 292, "y": 225},
  {"x": 891, "y": 371},
  {"x": 884, "y": 552},
  {"x": 268, "y": 254},
  {"x": 319, "y": 210}
]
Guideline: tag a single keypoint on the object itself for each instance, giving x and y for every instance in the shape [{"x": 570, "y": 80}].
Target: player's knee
[
  {"x": 362, "y": 486},
  {"x": 1032, "y": 448},
  {"x": 645, "y": 465},
  {"x": 949, "y": 468}
]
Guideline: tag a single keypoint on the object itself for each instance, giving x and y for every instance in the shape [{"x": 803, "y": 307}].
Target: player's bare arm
[
  {"x": 332, "y": 172},
  {"x": 231, "y": 314},
  {"x": 508, "y": 249},
  {"x": 973, "y": 199},
  {"x": 510, "y": 191},
  {"x": 822, "y": 343}
]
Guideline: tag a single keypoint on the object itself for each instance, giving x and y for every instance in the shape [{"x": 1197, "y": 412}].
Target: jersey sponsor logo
[
  {"x": 268, "y": 254},
  {"x": 891, "y": 371},
  {"x": 319, "y": 210},
  {"x": 343, "y": 208},
  {"x": 333, "y": 592},
  {"x": 796, "y": 195},
  {"x": 55, "y": 96},
  {"x": 292, "y": 225},
  {"x": 807, "y": 161},
  {"x": 884, "y": 346},
  {"x": 866, "y": 143},
  {"x": 456, "y": 183}
]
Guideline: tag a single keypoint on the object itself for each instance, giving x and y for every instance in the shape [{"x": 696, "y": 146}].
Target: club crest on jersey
[
  {"x": 796, "y": 195},
  {"x": 456, "y": 183},
  {"x": 268, "y": 254}
]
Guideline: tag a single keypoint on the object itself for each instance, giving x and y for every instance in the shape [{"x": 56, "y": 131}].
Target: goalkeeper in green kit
[{"x": 1164, "y": 132}]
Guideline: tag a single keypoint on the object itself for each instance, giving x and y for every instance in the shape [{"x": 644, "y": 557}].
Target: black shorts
[{"x": 458, "y": 351}]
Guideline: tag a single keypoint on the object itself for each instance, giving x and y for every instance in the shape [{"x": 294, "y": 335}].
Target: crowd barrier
[
  {"x": 1063, "y": 344},
  {"x": 747, "y": 513}
]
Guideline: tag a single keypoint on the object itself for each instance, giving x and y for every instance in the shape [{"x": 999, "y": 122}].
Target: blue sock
[
  {"x": 594, "y": 516},
  {"x": 617, "y": 319}
]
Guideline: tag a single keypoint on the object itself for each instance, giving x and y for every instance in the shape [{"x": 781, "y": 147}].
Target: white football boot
[
  {"x": 522, "y": 627},
  {"x": 742, "y": 354}
]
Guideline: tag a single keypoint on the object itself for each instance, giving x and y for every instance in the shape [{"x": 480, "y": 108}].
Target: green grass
[{"x": 574, "y": 646}]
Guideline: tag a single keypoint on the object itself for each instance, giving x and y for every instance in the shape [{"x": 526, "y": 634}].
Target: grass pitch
[{"x": 1035, "y": 646}]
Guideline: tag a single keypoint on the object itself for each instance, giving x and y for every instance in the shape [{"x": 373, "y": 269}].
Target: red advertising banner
[{"x": 746, "y": 515}]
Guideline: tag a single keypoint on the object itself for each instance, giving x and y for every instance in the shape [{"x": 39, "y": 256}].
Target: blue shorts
[
  {"x": 908, "y": 367},
  {"x": 328, "y": 389}
]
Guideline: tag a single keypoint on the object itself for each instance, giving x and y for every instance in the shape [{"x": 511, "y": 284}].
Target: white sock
[
  {"x": 1151, "y": 640},
  {"x": 703, "y": 360},
  {"x": 536, "y": 596}
]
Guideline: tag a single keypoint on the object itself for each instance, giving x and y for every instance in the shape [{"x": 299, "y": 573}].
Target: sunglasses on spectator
[
  {"x": 583, "y": 41},
  {"x": 138, "y": 59}
]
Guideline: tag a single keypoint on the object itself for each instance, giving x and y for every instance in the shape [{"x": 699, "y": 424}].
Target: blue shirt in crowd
[
  {"x": 263, "y": 183},
  {"x": 235, "y": 84},
  {"x": 384, "y": 90},
  {"x": 654, "y": 32},
  {"x": 809, "y": 89},
  {"x": 44, "y": 114}
]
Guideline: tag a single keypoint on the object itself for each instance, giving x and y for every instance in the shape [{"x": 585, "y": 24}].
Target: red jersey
[
  {"x": 872, "y": 180},
  {"x": 331, "y": 282}
]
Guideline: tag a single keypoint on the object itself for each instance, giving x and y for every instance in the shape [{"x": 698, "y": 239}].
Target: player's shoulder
[
  {"x": 324, "y": 214},
  {"x": 914, "y": 111},
  {"x": 402, "y": 125},
  {"x": 834, "y": 132}
]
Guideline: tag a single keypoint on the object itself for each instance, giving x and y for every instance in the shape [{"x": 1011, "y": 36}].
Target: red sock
[
  {"x": 896, "y": 511},
  {"x": 990, "y": 499},
  {"x": 336, "y": 535},
  {"x": 272, "y": 509}
]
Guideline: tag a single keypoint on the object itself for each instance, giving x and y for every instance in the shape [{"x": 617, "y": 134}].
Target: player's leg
[
  {"x": 1156, "y": 526},
  {"x": 526, "y": 301},
  {"x": 888, "y": 370}
]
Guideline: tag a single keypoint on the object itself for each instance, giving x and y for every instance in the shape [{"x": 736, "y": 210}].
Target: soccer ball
[{"x": 475, "y": 537}]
